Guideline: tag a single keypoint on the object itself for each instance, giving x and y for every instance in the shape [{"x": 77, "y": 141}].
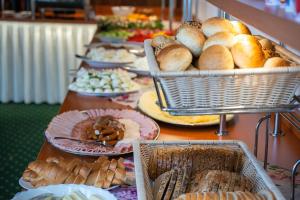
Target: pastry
[
  {"x": 215, "y": 25},
  {"x": 240, "y": 28},
  {"x": 215, "y": 57},
  {"x": 174, "y": 57},
  {"x": 247, "y": 52},
  {"x": 276, "y": 62},
  {"x": 192, "y": 38},
  {"x": 221, "y": 38}
]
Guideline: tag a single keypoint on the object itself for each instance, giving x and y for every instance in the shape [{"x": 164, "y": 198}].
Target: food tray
[
  {"x": 251, "y": 168},
  {"x": 226, "y": 91}
]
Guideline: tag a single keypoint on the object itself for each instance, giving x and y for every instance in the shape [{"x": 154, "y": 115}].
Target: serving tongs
[{"x": 102, "y": 143}]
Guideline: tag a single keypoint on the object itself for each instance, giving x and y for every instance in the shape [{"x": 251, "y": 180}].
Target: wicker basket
[
  {"x": 251, "y": 168},
  {"x": 223, "y": 91}
]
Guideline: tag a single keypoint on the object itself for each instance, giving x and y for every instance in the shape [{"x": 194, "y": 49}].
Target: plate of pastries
[
  {"x": 98, "y": 132},
  {"x": 203, "y": 172},
  {"x": 147, "y": 104},
  {"x": 104, "y": 172},
  {"x": 215, "y": 44}
]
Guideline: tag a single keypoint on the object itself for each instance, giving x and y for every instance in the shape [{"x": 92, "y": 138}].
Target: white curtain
[{"x": 35, "y": 59}]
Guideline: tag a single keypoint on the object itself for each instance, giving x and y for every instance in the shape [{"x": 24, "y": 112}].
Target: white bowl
[{"x": 122, "y": 10}]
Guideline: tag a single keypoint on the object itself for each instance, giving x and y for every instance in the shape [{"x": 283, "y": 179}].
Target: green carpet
[{"x": 22, "y": 134}]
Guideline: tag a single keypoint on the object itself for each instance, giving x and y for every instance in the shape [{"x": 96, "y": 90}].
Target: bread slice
[
  {"x": 120, "y": 163},
  {"x": 109, "y": 177},
  {"x": 231, "y": 196},
  {"x": 91, "y": 179},
  {"x": 70, "y": 179},
  {"x": 210, "y": 196},
  {"x": 79, "y": 180},
  {"x": 161, "y": 185},
  {"x": 178, "y": 185},
  {"x": 268, "y": 195},
  {"x": 171, "y": 185}
]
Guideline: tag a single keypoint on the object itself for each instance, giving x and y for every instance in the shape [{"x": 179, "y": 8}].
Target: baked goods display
[
  {"x": 102, "y": 173},
  {"x": 234, "y": 47},
  {"x": 103, "y": 83},
  {"x": 201, "y": 172},
  {"x": 147, "y": 104}
]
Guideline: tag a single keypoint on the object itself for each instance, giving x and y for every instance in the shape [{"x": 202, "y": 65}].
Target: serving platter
[
  {"x": 101, "y": 64},
  {"x": 108, "y": 94},
  {"x": 64, "y": 189},
  {"x": 147, "y": 104},
  {"x": 73, "y": 124}
]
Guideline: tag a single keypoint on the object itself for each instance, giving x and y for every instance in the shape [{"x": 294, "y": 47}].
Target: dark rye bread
[
  {"x": 216, "y": 180},
  {"x": 161, "y": 184},
  {"x": 171, "y": 185}
]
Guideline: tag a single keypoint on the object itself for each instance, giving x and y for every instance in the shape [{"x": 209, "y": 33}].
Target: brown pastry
[
  {"x": 215, "y": 25},
  {"x": 215, "y": 57},
  {"x": 247, "y": 52},
  {"x": 192, "y": 38},
  {"x": 174, "y": 57}
]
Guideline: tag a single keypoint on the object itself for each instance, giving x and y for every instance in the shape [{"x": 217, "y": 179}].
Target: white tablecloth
[{"x": 35, "y": 59}]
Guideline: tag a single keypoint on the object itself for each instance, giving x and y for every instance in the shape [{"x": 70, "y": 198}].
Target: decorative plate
[
  {"x": 65, "y": 189},
  {"x": 73, "y": 125},
  {"x": 147, "y": 104}
]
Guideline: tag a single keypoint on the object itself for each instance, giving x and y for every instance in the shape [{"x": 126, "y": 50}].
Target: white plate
[
  {"x": 64, "y": 189},
  {"x": 27, "y": 185},
  {"x": 101, "y": 64},
  {"x": 110, "y": 94}
]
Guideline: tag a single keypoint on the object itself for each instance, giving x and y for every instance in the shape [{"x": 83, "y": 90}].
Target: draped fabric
[{"x": 35, "y": 59}]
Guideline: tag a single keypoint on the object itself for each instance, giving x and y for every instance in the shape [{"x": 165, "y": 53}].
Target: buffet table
[{"x": 241, "y": 128}]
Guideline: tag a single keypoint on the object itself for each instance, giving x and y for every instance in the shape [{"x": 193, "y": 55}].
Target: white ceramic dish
[
  {"x": 27, "y": 186},
  {"x": 65, "y": 189}
]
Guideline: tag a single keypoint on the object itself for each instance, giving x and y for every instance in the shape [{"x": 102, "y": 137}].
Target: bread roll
[
  {"x": 196, "y": 24},
  {"x": 247, "y": 52},
  {"x": 276, "y": 62},
  {"x": 174, "y": 57},
  {"x": 215, "y": 25},
  {"x": 160, "y": 39},
  {"x": 215, "y": 57},
  {"x": 221, "y": 38},
  {"x": 240, "y": 28},
  {"x": 192, "y": 38},
  {"x": 266, "y": 44}
]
